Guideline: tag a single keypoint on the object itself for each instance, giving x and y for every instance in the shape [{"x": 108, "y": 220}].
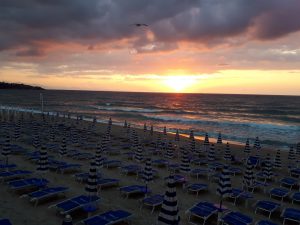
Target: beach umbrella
[
  {"x": 67, "y": 220},
  {"x": 249, "y": 179},
  {"x": 63, "y": 147},
  {"x": 165, "y": 131},
  {"x": 291, "y": 156},
  {"x": 128, "y": 130},
  {"x": 267, "y": 169},
  {"x": 94, "y": 121},
  {"x": 247, "y": 147},
  {"x": 36, "y": 141},
  {"x": 185, "y": 163},
  {"x": 224, "y": 185},
  {"x": 91, "y": 185},
  {"x": 6, "y": 150},
  {"x": 177, "y": 138},
  {"x": 43, "y": 163},
  {"x": 170, "y": 151},
  {"x": 110, "y": 122},
  {"x": 192, "y": 145},
  {"x": 69, "y": 116},
  {"x": 99, "y": 159},
  {"x": 74, "y": 136},
  {"x": 277, "y": 161},
  {"x": 219, "y": 140},
  {"x": 206, "y": 142},
  {"x": 145, "y": 128},
  {"x": 211, "y": 153},
  {"x": 52, "y": 134},
  {"x": 169, "y": 210},
  {"x": 257, "y": 145},
  {"x": 17, "y": 131},
  {"x": 148, "y": 173},
  {"x": 298, "y": 149},
  {"x": 227, "y": 155},
  {"x": 158, "y": 142},
  {"x": 151, "y": 130},
  {"x": 192, "y": 135},
  {"x": 125, "y": 124},
  {"x": 138, "y": 154}
]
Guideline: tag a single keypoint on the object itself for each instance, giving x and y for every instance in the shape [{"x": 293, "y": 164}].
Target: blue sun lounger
[
  {"x": 196, "y": 188},
  {"x": 160, "y": 162},
  {"x": 107, "y": 182},
  {"x": 7, "y": 166},
  {"x": 46, "y": 193},
  {"x": 202, "y": 210},
  {"x": 75, "y": 203},
  {"x": 236, "y": 218},
  {"x": 295, "y": 172},
  {"x": 83, "y": 177},
  {"x": 254, "y": 160},
  {"x": 266, "y": 206},
  {"x": 289, "y": 182},
  {"x": 68, "y": 167},
  {"x": 178, "y": 179},
  {"x": 200, "y": 172},
  {"x": 15, "y": 174},
  {"x": 112, "y": 163},
  {"x": 152, "y": 201},
  {"x": 295, "y": 197},
  {"x": 134, "y": 189},
  {"x": 5, "y": 222},
  {"x": 131, "y": 169},
  {"x": 279, "y": 193},
  {"x": 23, "y": 184},
  {"x": 265, "y": 222},
  {"x": 291, "y": 214},
  {"x": 109, "y": 218}
]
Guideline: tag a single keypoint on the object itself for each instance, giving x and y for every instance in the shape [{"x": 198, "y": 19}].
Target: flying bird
[{"x": 140, "y": 24}]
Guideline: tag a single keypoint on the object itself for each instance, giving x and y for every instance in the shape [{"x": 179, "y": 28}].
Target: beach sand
[{"x": 21, "y": 212}]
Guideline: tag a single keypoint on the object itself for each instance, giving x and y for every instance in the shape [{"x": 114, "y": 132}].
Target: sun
[{"x": 179, "y": 83}]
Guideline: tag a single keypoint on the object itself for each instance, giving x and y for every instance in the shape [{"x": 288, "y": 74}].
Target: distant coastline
[{"x": 20, "y": 86}]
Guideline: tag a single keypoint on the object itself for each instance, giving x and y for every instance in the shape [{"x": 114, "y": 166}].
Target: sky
[{"x": 193, "y": 46}]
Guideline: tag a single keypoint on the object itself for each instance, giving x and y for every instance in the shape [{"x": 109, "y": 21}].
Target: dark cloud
[{"x": 25, "y": 24}]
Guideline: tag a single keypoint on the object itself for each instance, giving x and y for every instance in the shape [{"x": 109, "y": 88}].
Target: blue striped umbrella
[
  {"x": 63, "y": 148},
  {"x": 185, "y": 163},
  {"x": 99, "y": 159},
  {"x": 192, "y": 145},
  {"x": 17, "y": 131},
  {"x": 224, "y": 186},
  {"x": 249, "y": 179},
  {"x": 277, "y": 161},
  {"x": 169, "y": 211},
  {"x": 192, "y": 135},
  {"x": 170, "y": 151},
  {"x": 43, "y": 163},
  {"x": 6, "y": 149},
  {"x": 125, "y": 124},
  {"x": 206, "y": 142},
  {"x": 227, "y": 155},
  {"x": 211, "y": 153},
  {"x": 36, "y": 141},
  {"x": 177, "y": 138},
  {"x": 257, "y": 145},
  {"x": 145, "y": 128},
  {"x": 148, "y": 173},
  {"x": 91, "y": 185},
  {"x": 138, "y": 154},
  {"x": 219, "y": 140},
  {"x": 151, "y": 130},
  {"x": 247, "y": 149},
  {"x": 267, "y": 169},
  {"x": 165, "y": 131},
  {"x": 298, "y": 149},
  {"x": 291, "y": 156}
]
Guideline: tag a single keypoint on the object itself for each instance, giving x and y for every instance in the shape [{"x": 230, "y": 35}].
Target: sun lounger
[
  {"x": 46, "y": 193},
  {"x": 295, "y": 172},
  {"x": 178, "y": 179},
  {"x": 196, "y": 188},
  {"x": 200, "y": 172},
  {"x": 279, "y": 193},
  {"x": 236, "y": 218},
  {"x": 75, "y": 203},
  {"x": 291, "y": 214},
  {"x": 109, "y": 218},
  {"x": 235, "y": 171},
  {"x": 5, "y": 222},
  {"x": 131, "y": 169},
  {"x": 174, "y": 167},
  {"x": 82, "y": 177},
  {"x": 15, "y": 174},
  {"x": 265, "y": 222},
  {"x": 289, "y": 182},
  {"x": 266, "y": 206},
  {"x": 215, "y": 166},
  {"x": 7, "y": 166},
  {"x": 107, "y": 182},
  {"x": 23, "y": 184},
  {"x": 295, "y": 197},
  {"x": 152, "y": 201},
  {"x": 199, "y": 161},
  {"x": 254, "y": 160},
  {"x": 202, "y": 210},
  {"x": 112, "y": 163},
  {"x": 258, "y": 185},
  {"x": 160, "y": 162},
  {"x": 133, "y": 189},
  {"x": 68, "y": 168}
]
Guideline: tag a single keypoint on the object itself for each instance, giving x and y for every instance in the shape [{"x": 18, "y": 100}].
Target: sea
[{"x": 274, "y": 119}]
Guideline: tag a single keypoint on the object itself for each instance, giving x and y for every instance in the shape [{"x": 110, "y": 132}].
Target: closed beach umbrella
[
  {"x": 192, "y": 135},
  {"x": 227, "y": 155},
  {"x": 43, "y": 164},
  {"x": 224, "y": 185},
  {"x": 94, "y": 121},
  {"x": 298, "y": 149},
  {"x": 128, "y": 130},
  {"x": 267, "y": 171},
  {"x": 158, "y": 141},
  {"x": 211, "y": 153},
  {"x": 125, "y": 124},
  {"x": 67, "y": 220},
  {"x": 248, "y": 180},
  {"x": 169, "y": 211},
  {"x": 99, "y": 159},
  {"x": 63, "y": 147},
  {"x": 165, "y": 131},
  {"x": 177, "y": 138},
  {"x": 185, "y": 163},
  {"x": 151, "y": 130},
  {"x": 206, "y": 142},
  {"x": 291, "y": 156},
  {"x": 74, "y": 134},
  {"x": 91, "y": 185},
  {"x": 138, "y": 154},
  {"x": 36, "y": 141},
  {"x": 17, "y": 132},
  {"x": 247, "y": 147},
  {"x": 52, "y": 134},
  {"x": 170, "y": 151},
  {"x": 192, "y": 145},
  {"x": 6, "y": 149},
  {"x": 219, "y": 140},
  {"x": 148, "y": 173},
  {"x": 257, "y": 145},
  {"x": 277, "y": 161},
  {"x": 145, "y": 128}
]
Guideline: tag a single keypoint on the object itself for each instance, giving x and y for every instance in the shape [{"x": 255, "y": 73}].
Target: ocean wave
[{"x": 127, "y": 109}]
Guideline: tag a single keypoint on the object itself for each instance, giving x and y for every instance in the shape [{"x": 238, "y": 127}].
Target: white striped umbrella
[
  {"x": 165, "y": 131},
  {"x": 257, "y": 145},
  {"x": 128, "y": 130},
  {"x": 63, "y": 147},
  {"x": 148, "y": 172},
  {"x": 192, "y": 135},
  {"x": 151, "y": 130},
  {"x": 91, "y": 185},
  {"x": 219, "y": 140},
  {"x": 211, "y": 153},
  {"x": 227, "y": 155},
  {"x": 185, "y": 163},
  {"x": 249, "y": 179},
  {"x": 247, "y": 149},
  {"x": 17, "y": 131},
  {"x": 169, "y": 211},
  {"x": 125, "y": 124},
  {"x": 206, "y": 142},
  {"x": 52, "y": 133},
  {"x": 145, "y": 128},
  {"x": 43, "y": 164},
  {"x": 291, "y": 156},
  {"x": 267, "y": 169},
  {"x": 94, "y": 120},
  {"x": 6, "y": 149},
  {"x": 177, "y": 138},
  {"x": 277, "y": 161},
  {"x": 99, "y": 159},
  {"x": 224, "y": 185},
  {"x": 158, "y": 142},
  {"x": 192, "y": 145},
  {"x": 138, "y": 154},
  {"x": 36, "y": 141},
  {"x": 298, "y": 149},
  {"x": 170, "y": 151}
]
